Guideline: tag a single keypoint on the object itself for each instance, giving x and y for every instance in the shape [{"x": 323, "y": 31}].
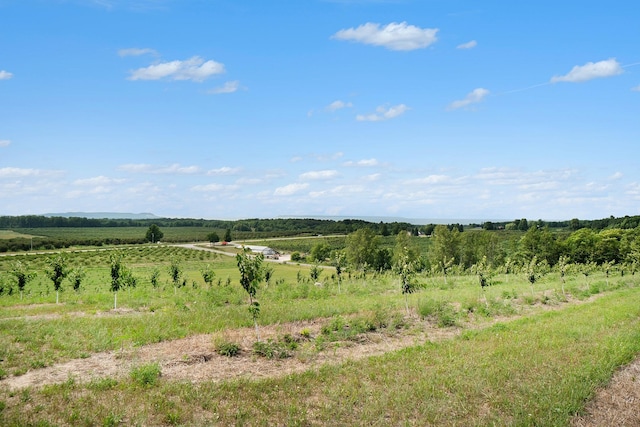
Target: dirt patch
[{"x": 617, "y": 404}]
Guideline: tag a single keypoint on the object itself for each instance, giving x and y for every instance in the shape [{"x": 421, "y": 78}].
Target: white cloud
[
  {"x": 213, "y": 188},
  {"x": 365, "y": 162},
  {"x": 636, "y": 89},
  {"x": 225, "y": 170},
  {"x": 394, "y": 36},
  {"x": 477, "y": 95},
  {"x": 133, "y": 51},
  {"x": 10, "y": 172},
  {"x": 338, "y": 105},
  {"x": 315, "y": 175},
  {"x": 5, "y": 75},
  {"x": 467, "y": 45},
  {"x": 228, "y": 87},
  {"x": 431, "y": 179},
  {"x": 172, "y": 169},
  {"x": 4, "y": 142},
  {"x": 591, "y": 70},
  {"x": 194, "y": 68},
  {"x": 382, "y": 113},
  {"x": 616, "y": 176},
  {"x": 290, "y": 189},
  {"x": 99, "y": 181}
]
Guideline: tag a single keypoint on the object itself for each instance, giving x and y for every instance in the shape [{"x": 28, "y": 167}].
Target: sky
[{"x": 231, "y": 109}]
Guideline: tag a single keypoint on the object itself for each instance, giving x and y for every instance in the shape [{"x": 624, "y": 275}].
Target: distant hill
[
  {"x": 389, "y": 219},
  {"x": 103, "y": 215}
]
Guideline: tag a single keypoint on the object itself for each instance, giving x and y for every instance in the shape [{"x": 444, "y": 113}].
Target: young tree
[
  {"x": 76, "y": 277},
  {"x": 405, "y": 265},
  {"x": 314, "y": 272},
  {"x": 251, "y": 274},
  {"x": 175, "y": 272},
  {"x": 57, "y": 270},
  {"x": 155, "y": 275},
  {"x": 121, "y": 276},
  {"x": 227, "y": 235},
  {"x": 208, "y": 275},
  {"x": 339, "y": 261},
  {"x": 320, "y": 252},
  {"x": 19, "y": 271},
  {"x": 154, "y": 234}
]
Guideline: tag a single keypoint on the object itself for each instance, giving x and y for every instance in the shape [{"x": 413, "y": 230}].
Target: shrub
[
  {"x": 441, "y": 311},
  {"x": 227, "y": 348}
]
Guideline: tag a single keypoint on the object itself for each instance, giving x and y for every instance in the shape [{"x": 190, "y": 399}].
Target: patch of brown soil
[{"x": 617, "y": 404}]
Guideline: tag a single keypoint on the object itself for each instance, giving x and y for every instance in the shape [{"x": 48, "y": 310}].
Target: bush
[
  {"x": 274, "y": 349},
  {"x": 227, "y": 348},
  {"x": 296, "y": 257},
  {"x": 441, "y": 311}
]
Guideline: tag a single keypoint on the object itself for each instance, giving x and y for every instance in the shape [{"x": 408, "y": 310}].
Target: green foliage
[
  {"x": 314, "y": 272},
  {"x": 227, "y": 348},
  {"x": 58, "y": 269},
  {"x": 361, "y": 248},
  {"x": 213, "y": 237},
  {"x": 296, "y": 257},
  {"x": 175, "y": 272},
  {"x": 275, "y": 349},
  {"x": 154, "y": 234},
  {"x": 76, "y": 277},
  {"x": 442, "y": 312},
  {"x": 146, "y": 375},
  {"x": 22, "y": 275},
  {"x": 208, "y": 274}
]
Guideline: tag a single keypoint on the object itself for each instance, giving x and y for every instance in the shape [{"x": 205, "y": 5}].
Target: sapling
[
  {"x": 57, "y": 270},
  {"x": 76, "y": 277},
  {"x": 251, "y": 274},
  {"x": 21, "y": 274},
  {"x": 406, "y": 270},
  {"x": 208, "y": 275},
  {"x": 175, "y": 271}
]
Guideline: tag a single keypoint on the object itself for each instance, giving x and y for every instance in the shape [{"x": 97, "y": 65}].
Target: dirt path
[{"x": 194, "y": 358}]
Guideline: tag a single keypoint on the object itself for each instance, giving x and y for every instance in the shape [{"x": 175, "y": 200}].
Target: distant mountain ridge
[{"x": 103, "y": 215}]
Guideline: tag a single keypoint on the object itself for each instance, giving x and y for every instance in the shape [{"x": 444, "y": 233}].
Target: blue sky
[{"x": 241, "y": 108}]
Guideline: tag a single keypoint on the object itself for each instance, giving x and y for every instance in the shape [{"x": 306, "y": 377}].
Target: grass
[{"x": 538, "y": 370}]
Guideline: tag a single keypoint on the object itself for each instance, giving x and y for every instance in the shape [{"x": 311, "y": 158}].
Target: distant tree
[
  {"x": 227, "y": 235},
  {"x": 320, "y": 252},
  {"x": 251, "y": 274},
  {"x": 154, "y": 234},
  {"x": 361, "y": 248},
  {"x": 296, "y": 257},
  {"x": 19, "y": 271},
  {"x": 213, "y": 237},
  {"x": 57, "y": 270}
]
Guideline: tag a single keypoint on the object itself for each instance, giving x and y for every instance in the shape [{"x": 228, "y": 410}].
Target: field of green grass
[{"x": 538, "y": 365}]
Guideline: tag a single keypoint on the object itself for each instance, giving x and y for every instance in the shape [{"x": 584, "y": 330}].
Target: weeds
[{"x": 146, "y": 375}]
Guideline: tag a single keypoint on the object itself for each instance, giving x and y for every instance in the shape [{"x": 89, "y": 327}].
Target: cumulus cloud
[
  {"x": 5, "y": 75},
  {"x": 225, "y": 170},
  {"x": 317, "y": 175},
  {"x": 171, "y": 169},
  {"x": 338, "y": 105},
  {"x": 290, "y": 189},
  {"x": 364, "y": 162},
  {"x": 4, "y": 142},
  {"x": 591, "y": 70},
  {"x": 194, "y": 68},
  {"x": 382, "y": 113},
  {"x": 467, "y": 45},
  {"x": 207, "y": 188},
  {"x": 228, "y": 87},
  {"x": 394, "y": 36},
  {"x": 134, "y": 51},
  {"x": 431, "y": 179},
  {"x": 477, "y": 95}
]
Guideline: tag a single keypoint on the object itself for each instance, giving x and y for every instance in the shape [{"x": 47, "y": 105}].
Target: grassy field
[{"x": 538, "y": 369}]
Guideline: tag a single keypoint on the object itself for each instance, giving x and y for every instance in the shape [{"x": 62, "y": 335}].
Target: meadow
[{"x": 515, "y": 353}]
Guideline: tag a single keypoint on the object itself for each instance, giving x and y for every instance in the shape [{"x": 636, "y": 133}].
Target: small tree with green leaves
[
  {"x": 563, "y": 264},
  {"x": 121, "y": 276},
  {"x": 208, "y": 275},
  {"x": 315, "y": 271},
  {"x": 76, "y": 277},
  {"x": 268, "y": 274},
  {"x": 154, "y": 277},
  {"x": 251, "y": 274},
  {"x": 213, "y": 237},
  {"x": 339, "y": 261},
  {"x": 227, "y": 235},
  {"x": 405, "y": 267},
  {"x": 532, "y": 271},
  {"x": 57, "y": 270},
  {"x": 19, "y": 271},
  {"x": 175, "y": 272}
]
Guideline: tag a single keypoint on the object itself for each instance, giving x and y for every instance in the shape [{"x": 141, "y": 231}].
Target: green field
[{"x": 538, "y": 369}]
